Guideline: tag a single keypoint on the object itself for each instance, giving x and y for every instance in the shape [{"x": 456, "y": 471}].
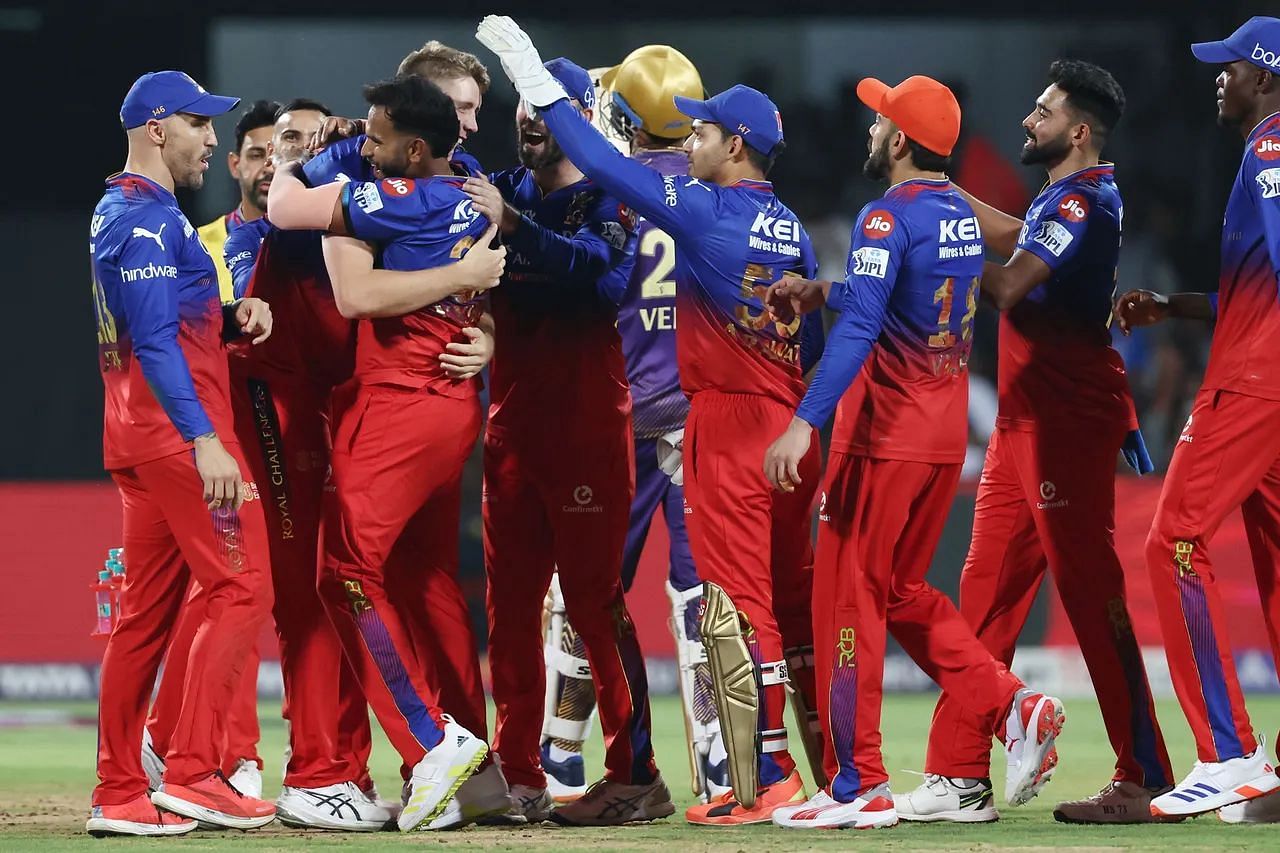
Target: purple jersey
[{"x": 647, "y": 320}]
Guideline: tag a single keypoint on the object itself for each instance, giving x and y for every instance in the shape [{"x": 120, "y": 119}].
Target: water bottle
[
  {"x": 117, "y": 587},
  {"x": 102, "y": 596}
]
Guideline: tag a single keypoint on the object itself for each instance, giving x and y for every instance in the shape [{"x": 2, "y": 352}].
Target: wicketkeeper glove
[{"x": 520, "y": 60}]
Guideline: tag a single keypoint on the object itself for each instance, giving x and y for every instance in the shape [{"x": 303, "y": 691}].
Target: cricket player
[
  {"x": 280, "y": 397},
  {"x": 250, "y": 166},
  {"x": 636, "y": 99},
  {"x": 167, "y": 428},
  {"x": 904, "y": 334},
  {"x": 404, "y": 426},
  {"x": 1228, "y": 455},
  {"x": 1040, "y": 507},
  {"x": 558, "y": 488},
  {"x": 443, "y": 631},
  {"x": 741, "y": 370}
]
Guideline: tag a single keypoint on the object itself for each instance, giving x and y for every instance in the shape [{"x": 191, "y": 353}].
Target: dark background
[{"x": 66, "y": 67}]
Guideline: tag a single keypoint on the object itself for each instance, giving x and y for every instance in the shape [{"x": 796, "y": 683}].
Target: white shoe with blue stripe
[{"x": 1211, "y": 785}]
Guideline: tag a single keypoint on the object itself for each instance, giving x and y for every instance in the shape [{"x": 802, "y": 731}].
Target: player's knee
[{"x": 1168, "y": 554}]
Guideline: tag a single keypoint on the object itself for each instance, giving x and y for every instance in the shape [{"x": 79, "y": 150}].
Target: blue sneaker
[{"x": 567, "y": 779}]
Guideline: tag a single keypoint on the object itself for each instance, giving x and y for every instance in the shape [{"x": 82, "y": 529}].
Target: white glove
[
  {"x": 671, "y": 456},
  {"x": 520, "y": 60}
]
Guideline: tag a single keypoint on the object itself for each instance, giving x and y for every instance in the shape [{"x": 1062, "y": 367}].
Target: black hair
[
  {"x": 1092, "y": 91},
  {"x": 259, "y": 114},
  {"x": 303, "y": 104},
  {"x": 417, "y": 106},
  {"x": 926, "y": 160}
]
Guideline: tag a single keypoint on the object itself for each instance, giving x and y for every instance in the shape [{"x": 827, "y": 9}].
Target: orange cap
[{"x": 921, "y": 107}]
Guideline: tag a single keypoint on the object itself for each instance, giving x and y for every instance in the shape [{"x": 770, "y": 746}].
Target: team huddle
[{"x": 293, "y": 390}]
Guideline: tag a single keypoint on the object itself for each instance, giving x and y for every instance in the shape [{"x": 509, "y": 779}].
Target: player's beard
[
  {"x": 1050, "y": 151},
  {"x": 189, "y": 173},
  {"x": 877, "y": 166},
  {"x": 550, "y": 155},
  {"x": 251, "y": 190}
]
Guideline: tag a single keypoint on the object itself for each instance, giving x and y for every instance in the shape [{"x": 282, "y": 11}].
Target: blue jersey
[
  {"x": 733, "y": 243},
  {"x": 415, "y": 224},
  {"x": 904, "y": 329},
  {"x": 160, "y": 326},
  {"x": 1057, "y": 365},
  {"x": 558, "y": 358},
  {"x": 1242, "y": 357}
]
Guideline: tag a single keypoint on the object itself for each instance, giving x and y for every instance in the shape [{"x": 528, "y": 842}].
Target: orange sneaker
[
  {"x": 213, "y": 800},
  {"x": 136, "y": 817},
  {"x": 724, "y": 810}
]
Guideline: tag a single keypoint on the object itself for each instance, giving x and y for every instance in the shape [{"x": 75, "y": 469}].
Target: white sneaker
[
  {"x": 247, "y": 778},
  {"x": 339, "y": 807},
  {"x": 871, "y": 810},
  {"x": 942, "y": 798},
  {"x": 1258, "y": 810},
  {"x": 527, "y": 805},
  {"x": 439, "y": 774},
  {"x": 152, "y": 762},
  {"x": 1033, "y": 724},
  {"x": 483, "y": 797},
  {"x": 612, "y": 804},
  {"x": 1213, "y": 784}
]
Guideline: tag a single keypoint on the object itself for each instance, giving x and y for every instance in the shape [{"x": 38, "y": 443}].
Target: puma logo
[{"x": 142, "y": 232}]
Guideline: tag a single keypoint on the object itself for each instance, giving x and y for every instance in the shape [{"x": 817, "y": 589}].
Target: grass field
[{"x": 47, "y": 771}]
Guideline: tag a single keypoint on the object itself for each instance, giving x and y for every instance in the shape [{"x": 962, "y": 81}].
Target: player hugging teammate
[{"x": 315, "y": 448}]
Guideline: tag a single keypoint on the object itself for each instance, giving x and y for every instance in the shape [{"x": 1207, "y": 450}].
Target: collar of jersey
[
  {"x": 1103, "y": 168},
  {"x": 922, "y": 183},
  {"x": 123, "y": 177},
  {"x": 752, "y": 184},
  {"x": 1258, "y": 129}
]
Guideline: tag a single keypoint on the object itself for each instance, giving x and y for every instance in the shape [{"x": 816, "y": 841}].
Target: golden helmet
[{"x": 642, "y": 90}]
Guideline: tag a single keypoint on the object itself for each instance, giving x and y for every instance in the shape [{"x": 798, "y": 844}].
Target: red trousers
[
  {"x": 1041, "y": 506},
  {"x": 562, "y": 505},
  {"x": 391, "y": 551},
  {"x": 241, "y": 721},
  {"x": 171, "y": 537},
  {"x": 878, "y": 529},
  {"x": 753, "y": 541},
  {"x": 1228, "y": 456}
]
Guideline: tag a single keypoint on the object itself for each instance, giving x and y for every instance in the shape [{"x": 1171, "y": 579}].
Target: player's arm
[
  {"x": 651, "y": 194},
  {"x": 599, "y": 245},
  {"x": 999, "y": 229},
  {"x": 813, "y": 336},
  {"x": 1265, "y": 188},
  {"x": 1006, "y": 284},
  {"x": 362, "y": 292},
  {"x": 240, "y": 254},
  {"x": 1048, "y": 243},
  {"x": 296, "y": 207},
  {"x": 873, "y": 270},
  {"x": 1145, "y": 307},
  {"x": 151, "y": 306}
]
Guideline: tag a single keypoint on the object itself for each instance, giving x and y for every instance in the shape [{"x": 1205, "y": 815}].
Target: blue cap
[
  {"x": 742, "y": 111},
  {"x": 160, "y": 94},
  {"x": 575, "y": 80},
  {"x": 1257, "y": 41}
]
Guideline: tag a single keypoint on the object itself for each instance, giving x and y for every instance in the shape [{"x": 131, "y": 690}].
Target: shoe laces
[{"x": 227, "y": 782}]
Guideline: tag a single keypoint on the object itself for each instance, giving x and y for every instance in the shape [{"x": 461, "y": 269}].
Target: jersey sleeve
[
  {"x": 677, "y": 204},
  {"x": 1057, "y": 233},
  {"x": 1265, "y": 179},
  {"x": 151, "y": 306},
  {"x": 381, "y": 211},
  {"x": 341, "y": 161},
  {"x": 604, "y": 242},
  {"x": 240, "y": 253},
  {"x": 813, "y": 337},
  {"x": 877, "y": 248}
]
